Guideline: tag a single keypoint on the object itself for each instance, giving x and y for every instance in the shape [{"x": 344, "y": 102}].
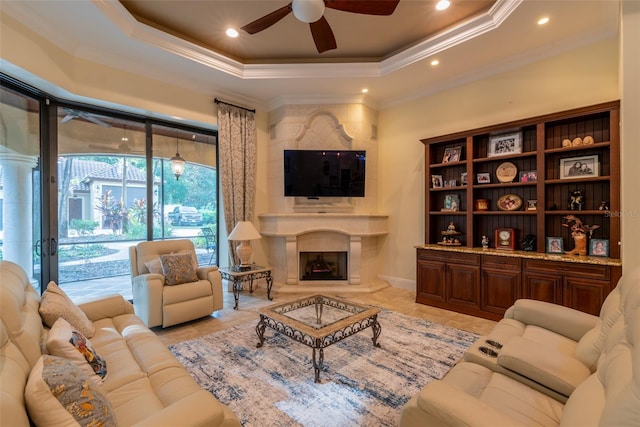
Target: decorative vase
[{"x": 580, "y": 245}]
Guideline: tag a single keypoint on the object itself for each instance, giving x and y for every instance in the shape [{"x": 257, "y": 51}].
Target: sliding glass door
[{"x": 21, "y": 239}]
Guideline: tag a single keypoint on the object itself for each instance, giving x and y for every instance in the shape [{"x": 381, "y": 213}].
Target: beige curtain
[{"x": 237, "y": 151}]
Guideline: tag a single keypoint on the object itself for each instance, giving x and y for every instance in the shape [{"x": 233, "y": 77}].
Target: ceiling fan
[
  {"x": 122, "y": 148},
  {"x": 312, "y": 12},
  {"x": 76, "y": 114}
]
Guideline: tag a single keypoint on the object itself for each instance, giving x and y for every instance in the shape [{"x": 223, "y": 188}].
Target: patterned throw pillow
[
  {"x": 65, "y": 341},
  {"x": 59, "y": 393},
  {"x": 154, "y": 266},
  {"x": 55, "y": 303},
  {"x": 178, "y": 269}
]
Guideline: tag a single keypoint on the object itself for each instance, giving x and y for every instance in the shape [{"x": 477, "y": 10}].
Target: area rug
[{"x": 362, "y": 385}]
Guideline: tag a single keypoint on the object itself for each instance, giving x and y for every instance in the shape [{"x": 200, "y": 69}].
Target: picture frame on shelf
[
  {"x": 532, "y": 205},
  {"x": 528, "y": 176},
  {"x": 505, "y": 144},
  {"x": 599, "y": 247},
  {"x": 450, "y": 183},
  {"x": 451, "y": 203},
  {"x": 483, "y": 178},
  {"x": 555, "y": 245},
  {"x": 452, "y": 154},
  {"x": 437, "y": 181},
  {"x": 463, "y": 178},
  {"x": 580, "y": 167}
]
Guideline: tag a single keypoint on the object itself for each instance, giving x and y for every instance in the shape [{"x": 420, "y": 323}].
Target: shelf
[
  {"x": 603, "y": 178},
  {"x": 506, "y": 212},
  {"x": 578, "y": 213},
  {"x": 447, "y": 213},
  {"x": 456, "y": 188},
  {"x": 577, "y": 148},
  {"x": 448, "y": 164},
  {"x": 505, "y": 157},
  {"x": 507, "y": 184}
]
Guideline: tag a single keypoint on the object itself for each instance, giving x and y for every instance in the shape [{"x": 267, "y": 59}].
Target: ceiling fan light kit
[
  {"x": 312, "y": 12},
  {"x": 308, "y": 10}
]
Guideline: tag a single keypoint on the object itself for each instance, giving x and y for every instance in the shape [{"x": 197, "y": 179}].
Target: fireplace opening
[{"x": 323, "y": 265}]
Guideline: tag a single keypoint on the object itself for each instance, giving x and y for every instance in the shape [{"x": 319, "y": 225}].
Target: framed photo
[
  {"x": 436, "y": 180},
  {"x": 502, "y": 145},
  {"x": 532, "y": 205},
  {"x": 463, "y": 178},
  {"x": 599, "y": 247},
  {"x": 450, "y": 183},
  {"x": 579, "y": 167},
  {"x": 528, "y": 176},
  {"x": 555, "y": 245},
  {"x": 451, "y": 203},
  {"x": 452, "y": 154},
  {"x": 484, "y": 178}
]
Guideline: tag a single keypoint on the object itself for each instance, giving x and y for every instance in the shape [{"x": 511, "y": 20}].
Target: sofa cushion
[
  {"x": 65, "y": 341},
  {"x": 59, "y": 393},
  {"x": 55, "y": 303},
  {"x": 178, "y": 269}
]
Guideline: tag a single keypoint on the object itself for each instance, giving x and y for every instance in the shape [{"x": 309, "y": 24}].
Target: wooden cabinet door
[
  {"x": 500, "y": 289},
  {"x": 463, "y": 285},
  {"x": 584, "y": 294},
  {"x": 543, "y": 287},
  {"x": 431, "y": 276}
]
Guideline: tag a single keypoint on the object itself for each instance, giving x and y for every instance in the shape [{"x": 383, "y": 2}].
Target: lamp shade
[{"x": 244, "y": 230}]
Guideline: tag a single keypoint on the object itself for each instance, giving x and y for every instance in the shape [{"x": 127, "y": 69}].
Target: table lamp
[{"x": 244, "y": 231}]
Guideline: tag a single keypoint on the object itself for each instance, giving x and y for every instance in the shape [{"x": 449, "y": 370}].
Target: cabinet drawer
[
  {"x": 497, "y": 261},
  {"x": 565, "y": 268},
  {"x": 471, "y": 259}
]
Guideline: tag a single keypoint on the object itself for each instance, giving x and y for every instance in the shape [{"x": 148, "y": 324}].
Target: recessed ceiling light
[
  {"x": 443, "y": 4},
  {"x": 434, "y": 62},
  {"x": 543, "y": 21},
  {"x": 365, "y": 90},
  {"x": 232, "y": 33}
]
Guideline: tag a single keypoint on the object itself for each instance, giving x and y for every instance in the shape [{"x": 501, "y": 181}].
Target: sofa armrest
[
  {"x": 556, "y": 318},
  {"x": 104, "y": 307},
  {"x": 454, "y": 407},
  {"x": 197, "y": 409},
  {"x": 553, "y": 369}
]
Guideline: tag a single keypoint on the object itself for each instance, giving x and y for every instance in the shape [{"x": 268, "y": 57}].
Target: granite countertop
[{"x": 526, "y": 254}]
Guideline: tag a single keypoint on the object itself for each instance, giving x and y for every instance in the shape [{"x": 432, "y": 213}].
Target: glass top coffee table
[{"x": 319, "y": 321}]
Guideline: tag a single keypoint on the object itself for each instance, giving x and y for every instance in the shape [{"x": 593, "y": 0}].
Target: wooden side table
[{"x": 238, "y": 275}]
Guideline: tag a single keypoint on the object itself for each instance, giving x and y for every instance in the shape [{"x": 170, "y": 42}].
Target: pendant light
[{"x": 177, "y": 163}]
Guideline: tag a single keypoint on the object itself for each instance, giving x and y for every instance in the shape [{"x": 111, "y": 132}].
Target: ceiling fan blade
[
  {"x": 67, "y": 118},
  {"x": 96, "y": 120},
  {"x": 267, "y": 20},
  {"x": 323, "y": 35},
  {"x": 367, "y": 7}
]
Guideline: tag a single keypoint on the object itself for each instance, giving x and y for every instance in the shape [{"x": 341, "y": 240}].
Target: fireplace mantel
[
  {"x": 294, "y": 224},
  {"x": 357, "y": 234}
]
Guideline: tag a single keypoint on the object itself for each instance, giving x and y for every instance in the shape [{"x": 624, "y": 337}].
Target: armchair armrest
[
  {"x": 553, "y": 369},
  {"x": 103, "y": 307},
  {"x": 454, "y": 407},
  {"x": 557, "y": 318},
  {"x": 147, "y": 298},
  {"x": 202, "y": 272}
]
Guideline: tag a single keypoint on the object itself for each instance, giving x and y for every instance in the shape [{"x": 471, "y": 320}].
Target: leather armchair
[{"x": 158, "y": 304}]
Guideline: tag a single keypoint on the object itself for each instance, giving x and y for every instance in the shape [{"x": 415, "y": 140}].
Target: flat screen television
[{"x": 324, "y": 173}]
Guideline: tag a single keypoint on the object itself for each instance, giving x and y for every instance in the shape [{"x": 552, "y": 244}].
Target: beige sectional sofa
[
  {"x": 545, "y": 365},
  {"x": 145, "y": 385}
]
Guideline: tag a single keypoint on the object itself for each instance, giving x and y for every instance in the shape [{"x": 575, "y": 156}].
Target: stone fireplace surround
[{"x": 291, "y": 233}]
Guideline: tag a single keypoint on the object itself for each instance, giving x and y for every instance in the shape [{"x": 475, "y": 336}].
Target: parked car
[{"x": 185, "y": 215}]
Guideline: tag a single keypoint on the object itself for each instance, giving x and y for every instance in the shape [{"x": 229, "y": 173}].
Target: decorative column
[
  {"x": 17, "y": 208},
  {"x": 355, "y": 256},
  {"x": 291, "y": 249}
]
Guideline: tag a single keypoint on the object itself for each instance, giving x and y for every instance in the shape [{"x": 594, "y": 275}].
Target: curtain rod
[{"x": 217, "y": 101}]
